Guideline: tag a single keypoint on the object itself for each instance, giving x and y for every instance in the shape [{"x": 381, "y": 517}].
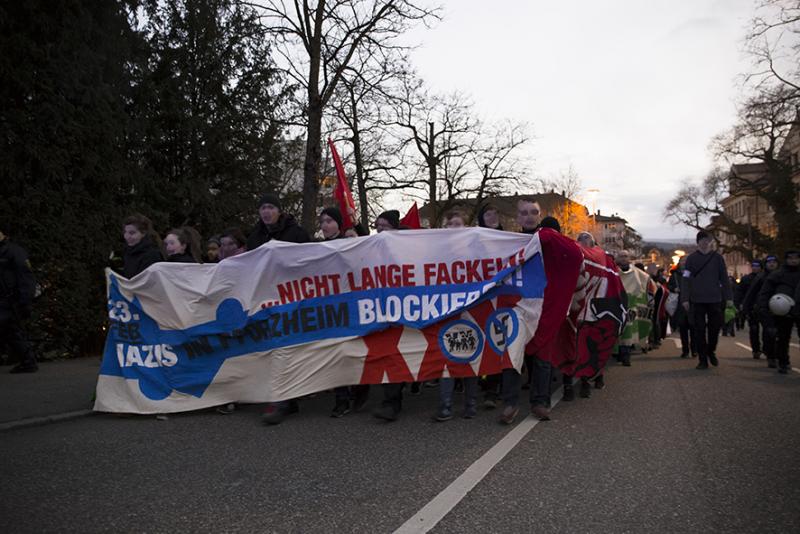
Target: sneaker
[
  {"x": 470, "y": 412},
  {"x": 694, "y": 355},
  {"x": 387, "y": 413},
  {"x": 227, "y": 409},
  {"x": 415, "y": 389},
  {"x": 684, "y": 354},
  {"x": 713, "y": 359},
  {"x": 272, "y": 415},
  {"x": 540, "y": 412},
  {"x": 341, "y": 409},
  {"x": 772, "y": 363},
  {"x": 586, "y": 389},
  {"x": 756, "y": 355},
  {"x": 444, "y": 414},
  {"x": 599, "y": 382},
  {"x": 568, "y": 394},
  {"x": 702, "y": 365},
  {"x": 626, "y": 363},
  {"x": 24, "y": 368},
  {"x": 783, "y": 370},
  {"x": 509, "y": 413},
  {"x": 490, "y": 402}
]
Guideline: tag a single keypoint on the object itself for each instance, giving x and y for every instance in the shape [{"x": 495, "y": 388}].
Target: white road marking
[
  {"x": 795, "y": 345},
  {"x": 677, "y": 342},
  {"x": 745, "y": 346},
  {"x": 440, "y": 506}
]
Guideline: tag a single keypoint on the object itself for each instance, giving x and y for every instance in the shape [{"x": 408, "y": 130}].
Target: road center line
[
  {"x": 744, "y": 346},
  {"x": 440, "y": 506}
]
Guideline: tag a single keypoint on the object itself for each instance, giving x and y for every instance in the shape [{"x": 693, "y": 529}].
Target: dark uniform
[
  {"x": 747, "y": 312},
  {"x": 16, "y": 296},
  {"x": 785, "y": 280}
]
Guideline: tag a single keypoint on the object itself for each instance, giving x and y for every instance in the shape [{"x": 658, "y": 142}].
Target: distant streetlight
[
  {"x": 680, "y": 253},
  {"x": 675, "y": 259}
]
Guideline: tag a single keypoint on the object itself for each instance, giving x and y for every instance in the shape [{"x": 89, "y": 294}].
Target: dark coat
[
  {"x": 785, "y": 280},
  {"x": 139, "y": 257},
  {"x": 286, "y": 229},
  {"x": 744, "y": 286},
  {"x": 17, "y": 285},
  {"x": 181, "y": 258}
]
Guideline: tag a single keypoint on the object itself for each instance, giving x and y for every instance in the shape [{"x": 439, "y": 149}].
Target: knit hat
[
  {"x": 550, "y": 222},
  {"x": 334, "y": 214},
  {"x": 791, "y": 252},
  {"x": 392, "y": 217},
  {"x": 270, "y": 198},
  {"x": 757, "y": 263},
  {"x": 771, "y": 257}
]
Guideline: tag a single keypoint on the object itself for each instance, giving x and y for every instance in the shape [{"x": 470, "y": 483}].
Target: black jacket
[
  {"x": 17, "y": 284},
  {"x": 181, "y": 258},
  {"x": 286, "y": 229},
  {"x": 139, "y": 257},
  {"x": 750, "y": 302},
  {"x": 784, "y": 280},
  {"x": 744, "y": 286}
]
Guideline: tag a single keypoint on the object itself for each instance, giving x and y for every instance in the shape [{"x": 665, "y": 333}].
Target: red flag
[
  {"x": 411, "y": 220},
  {"x": 342, "y": 192}
]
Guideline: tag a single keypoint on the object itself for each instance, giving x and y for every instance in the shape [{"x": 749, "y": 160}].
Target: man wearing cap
[
  {"x": 705, "y": 290},
  {"x": 273, "y": 223},
  {"x": 762, "y": 318},
  {"x": 744, "y": 286},
  {"x": 785, "y": 280}
]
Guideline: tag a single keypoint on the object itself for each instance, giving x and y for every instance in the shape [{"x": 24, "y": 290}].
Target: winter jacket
[
  {"x": 181, "y": 258},
  {"x": 139, "y": 257},
  {"x": 286, "y": 229},
  {"x": 705, "y": 279},
  {"x": 744, "y": 286},
  {"x": 785, "y": 280}
]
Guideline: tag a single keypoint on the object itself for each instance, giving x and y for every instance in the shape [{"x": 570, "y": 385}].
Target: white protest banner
[{"x": 286, "y": 320}]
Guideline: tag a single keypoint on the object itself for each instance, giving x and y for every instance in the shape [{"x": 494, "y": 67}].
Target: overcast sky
[{"x": 628, "y": 92}]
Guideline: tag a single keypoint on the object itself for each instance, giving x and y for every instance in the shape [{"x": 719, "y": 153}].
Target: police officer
[
  {"x": 16, "y": 296},
  {"x": 785, "y": 280}
]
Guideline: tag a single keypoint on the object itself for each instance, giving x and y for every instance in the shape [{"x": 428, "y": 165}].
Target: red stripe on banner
[{"x": 384, "y": 357}]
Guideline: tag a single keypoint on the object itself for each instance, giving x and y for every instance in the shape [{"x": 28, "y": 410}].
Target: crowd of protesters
[{"x": 693, "y": 300}]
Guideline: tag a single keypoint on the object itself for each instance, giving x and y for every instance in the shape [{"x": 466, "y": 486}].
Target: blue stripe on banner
[{"x": 187, "y": 360}]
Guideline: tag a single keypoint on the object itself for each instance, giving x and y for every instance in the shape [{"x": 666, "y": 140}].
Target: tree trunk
[{"x": 431, "y": 161}]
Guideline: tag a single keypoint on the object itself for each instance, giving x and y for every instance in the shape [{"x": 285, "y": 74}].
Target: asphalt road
[{"x": 664, "y": 448}]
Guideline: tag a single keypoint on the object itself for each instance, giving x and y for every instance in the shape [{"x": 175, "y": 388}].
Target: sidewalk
[{"x": 59, "y": 387}]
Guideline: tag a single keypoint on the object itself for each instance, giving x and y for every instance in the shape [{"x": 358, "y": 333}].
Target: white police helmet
[{"x": 780, "y": 304}]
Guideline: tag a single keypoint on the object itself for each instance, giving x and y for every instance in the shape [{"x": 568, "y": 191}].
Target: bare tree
[
  {"x": 318, "y": 41},
  {"x": 773, "y": 42}
]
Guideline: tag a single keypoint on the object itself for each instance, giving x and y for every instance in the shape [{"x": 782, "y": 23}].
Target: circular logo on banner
[
  {"x": 461, "y": 341},
  {"x": 502, "y": 328}
]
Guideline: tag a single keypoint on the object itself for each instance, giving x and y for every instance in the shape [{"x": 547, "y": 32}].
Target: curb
[{"x": 44, "y": 420}]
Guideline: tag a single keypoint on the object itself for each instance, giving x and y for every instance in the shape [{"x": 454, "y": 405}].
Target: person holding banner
[
  {"x": 539, "y": 370},
  {"x": 640, "y": 289},
  {"x": 330, "y": 223},
  {"x": 232, "y": 243},
  {"x": 142, "y": 245},
  {"x": 489, "y": 217},
  {"x": 273, "y": 223},
  {"x": 182, "y": 246},
  {"x": 456, "y": 220}
]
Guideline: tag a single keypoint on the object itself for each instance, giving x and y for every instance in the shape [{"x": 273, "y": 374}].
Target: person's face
[
  {"x": 212, "y": 251},
  {"x": 382, "y": 225},
  {"x": 528, "y": 215},
  {"x": 756, "y": 268},
  {"x": 793, "y": 260},
  {"x": 228, "y": 246},
  {"x": 705, "y": 245},
  {"x": 329, "y": 226},
  {"x": 269, "y": 214},
  {"x": 132, "y": 235},
  {"x": 623, "y": 260},
  {"x": 173, "y": 245},
  {"x": 772, "y": 265},
  {"x": 491, "y": 219},
  {"x": 585, "y": 240},
  {"x": 455, "y": 222}
]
